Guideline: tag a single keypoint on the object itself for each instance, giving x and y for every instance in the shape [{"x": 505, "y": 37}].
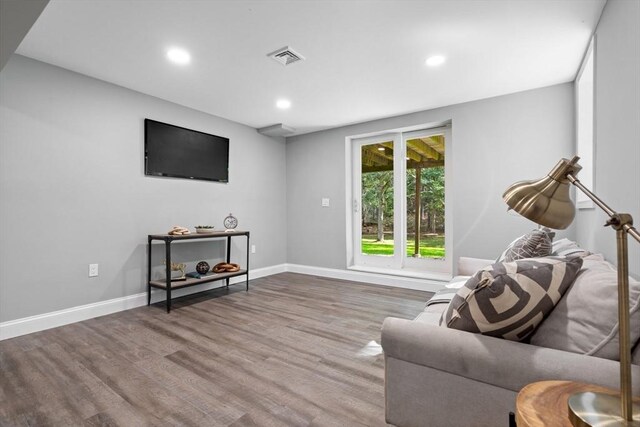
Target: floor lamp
[{"x": 546, "y": 201}]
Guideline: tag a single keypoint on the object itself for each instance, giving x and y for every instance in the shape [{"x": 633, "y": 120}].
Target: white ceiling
[{"x": 364, "y": 59}]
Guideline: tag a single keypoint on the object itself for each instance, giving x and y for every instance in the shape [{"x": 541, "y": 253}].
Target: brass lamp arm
[{"x": 624, "y": 221}]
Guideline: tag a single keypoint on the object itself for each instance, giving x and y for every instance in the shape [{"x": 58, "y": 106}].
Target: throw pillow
[
  {"x": 509, "y": 299},
  {"x": 537, "y": 243},
  {"x": 566, "y": 247},
  {"x": 586, "y": 318}
]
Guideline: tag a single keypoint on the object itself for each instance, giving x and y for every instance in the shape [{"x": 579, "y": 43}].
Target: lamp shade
[{"x": 545, "y": 201}]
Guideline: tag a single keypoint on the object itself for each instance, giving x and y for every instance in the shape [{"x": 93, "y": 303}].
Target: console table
[{"x": 168, "y": 285}]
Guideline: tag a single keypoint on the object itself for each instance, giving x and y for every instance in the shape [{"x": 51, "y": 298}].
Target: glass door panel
[
  {"x": 425, "y": 196},
  {"x": 377, "y": 199}
]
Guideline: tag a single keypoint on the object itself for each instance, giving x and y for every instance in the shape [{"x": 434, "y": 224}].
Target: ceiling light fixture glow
[
  {"x": 283, "y": 104},
  {"x": 434, "y": 61},
  {"x": 179, "y": 56}
]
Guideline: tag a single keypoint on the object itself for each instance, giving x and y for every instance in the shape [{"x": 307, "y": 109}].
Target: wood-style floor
[{"x": 287, "y": 353}]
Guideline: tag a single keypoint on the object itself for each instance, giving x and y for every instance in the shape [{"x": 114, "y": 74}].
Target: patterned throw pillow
[
  {"x": 537, "y": 243},
  {"x": 510, "y": 299}
]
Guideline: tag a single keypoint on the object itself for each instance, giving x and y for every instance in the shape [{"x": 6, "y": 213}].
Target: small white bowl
[{"x": 205, "y": 230}]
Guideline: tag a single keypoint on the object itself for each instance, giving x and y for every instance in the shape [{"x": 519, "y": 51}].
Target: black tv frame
[{"x": 162, "y": 174}]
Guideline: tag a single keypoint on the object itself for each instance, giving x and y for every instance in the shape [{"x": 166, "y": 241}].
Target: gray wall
[
  {"x": 617, "y": 122},
  {"x": 496, "y": 142},
  {"x": 73, "y": 190}
]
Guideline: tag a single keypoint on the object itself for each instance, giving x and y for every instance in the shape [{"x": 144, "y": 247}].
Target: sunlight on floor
[{"x": 371, "y": 349}]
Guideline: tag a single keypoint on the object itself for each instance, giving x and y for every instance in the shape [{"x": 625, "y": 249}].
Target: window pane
[
  {"x": 584, "y": 118},
  {"x": 425, "y": 197},
  {"x": 377, "y": 199}
]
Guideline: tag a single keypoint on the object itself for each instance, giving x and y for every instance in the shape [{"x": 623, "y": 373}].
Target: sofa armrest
[
  {"x": 506, "y": 364},
  {"x": 468, "y": 266}
]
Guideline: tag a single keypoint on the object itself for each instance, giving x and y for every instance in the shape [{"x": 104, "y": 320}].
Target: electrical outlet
[
  {"x": 93, "y": 270},
  {"x": 253, "y": 249}
]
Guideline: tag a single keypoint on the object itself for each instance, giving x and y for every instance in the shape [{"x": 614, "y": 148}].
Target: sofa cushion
[
  {"x": 537, "y": 243},
  {"x": 446, "y": 294},
  {"x": 440, "y": 300},
  {"x": 509, "y": 299},
  {"x": 432, "y": 314},
  {"x": 586, "y": 318},
  {"x": 458, "y": 281}
]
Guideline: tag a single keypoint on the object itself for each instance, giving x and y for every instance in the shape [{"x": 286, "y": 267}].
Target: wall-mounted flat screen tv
[{"x": 184, "y": 153}]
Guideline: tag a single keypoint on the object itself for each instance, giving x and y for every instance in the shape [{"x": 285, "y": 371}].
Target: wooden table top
[{"x": 544, "y": 403}]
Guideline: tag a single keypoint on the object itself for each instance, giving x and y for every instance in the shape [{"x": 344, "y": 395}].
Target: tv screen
[{"x": 184, "y": 153}]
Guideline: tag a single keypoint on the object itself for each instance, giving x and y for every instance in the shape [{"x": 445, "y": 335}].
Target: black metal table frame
[{"x": 168, "y": 239}]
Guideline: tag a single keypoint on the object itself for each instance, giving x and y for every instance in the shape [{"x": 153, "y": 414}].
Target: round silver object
[{"x": 590, "y": 409}]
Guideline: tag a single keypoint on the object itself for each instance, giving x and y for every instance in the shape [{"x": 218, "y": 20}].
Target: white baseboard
[
  {"x": 420, "y": 284},
  {"x": 40, "y": 322},
  {"x": 27, "y": 325}
]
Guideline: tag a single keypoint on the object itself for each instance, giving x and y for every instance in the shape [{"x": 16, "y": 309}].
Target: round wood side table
[{"x": 544, "y": 403}]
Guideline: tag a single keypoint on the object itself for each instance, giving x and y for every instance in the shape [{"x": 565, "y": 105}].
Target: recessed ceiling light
[
  {"x": 179, "y": 56},
  {"x": 283, "y": 104},
  {"x": 434, "y": 61}
]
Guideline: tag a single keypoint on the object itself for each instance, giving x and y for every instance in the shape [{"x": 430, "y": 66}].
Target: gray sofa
[{"x": 436, "y": 376}]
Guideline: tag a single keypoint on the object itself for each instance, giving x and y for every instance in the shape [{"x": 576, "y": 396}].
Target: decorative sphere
[{"x": 202, "y": 267}]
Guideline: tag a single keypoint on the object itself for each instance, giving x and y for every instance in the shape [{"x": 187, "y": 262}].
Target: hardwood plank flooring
[{"x": 286, "y": 353}]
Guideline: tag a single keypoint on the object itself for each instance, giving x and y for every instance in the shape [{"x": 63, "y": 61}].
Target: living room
[{"x": 74, "y": 192}]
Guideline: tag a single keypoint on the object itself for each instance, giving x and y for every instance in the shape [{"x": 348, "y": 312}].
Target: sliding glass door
[{"x": 399, "y": 206}]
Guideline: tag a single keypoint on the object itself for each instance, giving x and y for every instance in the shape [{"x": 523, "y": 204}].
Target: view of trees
[
  {"x": 431, "y": 199},
  {"x": 377, "y": 209},
  {"x": 377, "y": 202}
]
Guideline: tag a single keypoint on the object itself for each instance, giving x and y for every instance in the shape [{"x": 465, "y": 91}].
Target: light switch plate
[
  {"x": 93, "y": 270},
  {"x": 325, "y": 202}
]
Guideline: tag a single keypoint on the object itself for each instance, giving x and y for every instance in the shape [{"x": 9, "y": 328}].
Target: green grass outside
[{"x": 430, "y": 246}]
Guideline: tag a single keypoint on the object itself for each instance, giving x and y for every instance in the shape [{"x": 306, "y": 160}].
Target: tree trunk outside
[
  {"x": 433, "y": 222},
  {"x": 417, "y": 213},
  {"x": 380, "y": 224}
]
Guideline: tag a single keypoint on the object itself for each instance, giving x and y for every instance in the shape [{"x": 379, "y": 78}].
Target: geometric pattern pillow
[
  {"x": 537, "y": 243},
  {"x": 510, "y": 299}
]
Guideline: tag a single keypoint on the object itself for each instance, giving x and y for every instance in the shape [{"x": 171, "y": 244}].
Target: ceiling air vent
[{"x": 286, "y": 56}]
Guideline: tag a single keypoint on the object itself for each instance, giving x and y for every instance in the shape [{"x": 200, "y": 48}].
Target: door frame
[{"x": 399, "y": 263}]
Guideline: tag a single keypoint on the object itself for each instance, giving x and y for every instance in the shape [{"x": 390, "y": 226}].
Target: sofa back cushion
[
  {"x": 509, "y": 299},
  {"x": 586, "y": 318}
]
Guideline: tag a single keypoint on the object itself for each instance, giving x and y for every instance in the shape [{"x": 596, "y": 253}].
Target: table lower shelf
[{"x": 190, "y": 281}]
